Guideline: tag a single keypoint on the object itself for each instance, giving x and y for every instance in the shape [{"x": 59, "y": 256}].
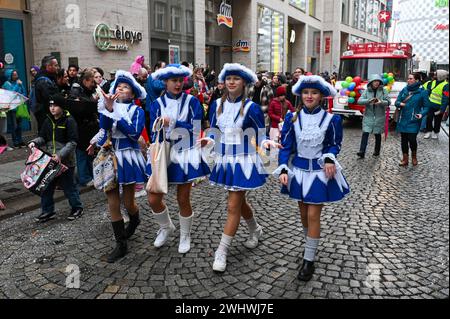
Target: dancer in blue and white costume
[
  {"x": 182, "y": 115},
  {"x": 237, "y": 128},
  {"x": 313, "y": 177},
  {"x": 124, "y": 122}
]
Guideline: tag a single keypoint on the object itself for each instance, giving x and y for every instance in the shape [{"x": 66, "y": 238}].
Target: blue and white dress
[
  {"x": 186, "y": 114},
  {"x": 307, "y": 142},
  {"x": 126, "y": 124},
  {"x": 238, "y": 166}
]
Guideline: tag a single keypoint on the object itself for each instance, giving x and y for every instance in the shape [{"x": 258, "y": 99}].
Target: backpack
[{"x": 33, "y": 98}]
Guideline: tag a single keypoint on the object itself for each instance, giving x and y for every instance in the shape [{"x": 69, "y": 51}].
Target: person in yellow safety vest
[{"x": 438, "y": 91}]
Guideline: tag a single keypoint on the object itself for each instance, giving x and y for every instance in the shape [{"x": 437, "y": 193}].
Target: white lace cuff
[
  {"x": 119, "y": 112},
  {"x": 280, "y": 169},
  {"x": 332, "y": 157}
]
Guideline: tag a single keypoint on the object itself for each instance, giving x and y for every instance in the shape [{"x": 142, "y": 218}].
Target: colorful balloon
[
  {"x": 357, "y": 80},
  {"x": 343, "y": 92},
  {"x": 352, "y": 86},
  {"x": 385, "y": 75},
  {"x": 345, "y": 85},
  {"x": 349, "y": 79},
  {"x": 353, "y": 94},
  {"x": 391, "y": 74},
  {"x": 351, "y": 100}
]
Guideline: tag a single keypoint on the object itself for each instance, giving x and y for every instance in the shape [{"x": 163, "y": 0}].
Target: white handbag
[{"x": 159, "y": 153}]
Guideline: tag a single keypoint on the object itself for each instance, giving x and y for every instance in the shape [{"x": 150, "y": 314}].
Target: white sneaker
[
  {"x": 434, "y": 136},
  {"x": 185, "y": 244},
  {"x": 163, "y": 235},
  {"x": 427, "y": 135},
  {"x": 253, "y": 238},
  {"x": 140, "y": 194},
  {"x": 220, "y": 262}
]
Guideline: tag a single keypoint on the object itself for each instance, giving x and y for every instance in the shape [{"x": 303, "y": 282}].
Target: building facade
[
  {"x": 424, "y": 24},
  {"x": 272, "y": 35}
]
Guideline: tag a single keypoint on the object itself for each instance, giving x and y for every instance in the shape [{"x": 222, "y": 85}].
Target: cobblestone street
[{"x": 388, "y": 239}]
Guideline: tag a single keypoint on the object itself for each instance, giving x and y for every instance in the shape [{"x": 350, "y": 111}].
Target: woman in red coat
[{"x": 278, "y": 108}]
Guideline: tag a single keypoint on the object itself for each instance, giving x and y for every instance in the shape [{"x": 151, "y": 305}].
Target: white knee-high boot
[
  {"x": 185, "y": 234},
  {"x": 166, "y": 227}
]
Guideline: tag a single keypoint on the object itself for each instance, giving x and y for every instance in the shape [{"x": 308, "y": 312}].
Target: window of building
[
  {"x": 300, "y": 4},
  {"x": 362, "y": 15},
  {"x": 312, "y": 7},
  {"x": 345, "y": 12},
  {"x": 189, "y": 21},
  {"x": 160, "y": 16},
  {"x": 355, "y": 13},
  {"x": 13, "y": 4},
  {"x": 175, "y": 13},
  {"x": 270, "y": 40}
]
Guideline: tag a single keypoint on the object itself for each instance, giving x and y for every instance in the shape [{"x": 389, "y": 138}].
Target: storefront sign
[
  {"x": 174, "y": 54},
  {"x": 119, "y": 39},
  {"x": 241, "y": 46},
  {"x": 327, "y": 45},
  {"x": 384, "y": 16},
  {"x": 9, "y": 58},
  {"x": 224, "y": 17},
  {"x": 441, "y": 27},
  {"x": 441, "y": 3}
]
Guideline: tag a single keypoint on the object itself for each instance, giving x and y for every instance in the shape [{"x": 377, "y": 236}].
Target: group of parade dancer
[{"x": 308, "y": 169}]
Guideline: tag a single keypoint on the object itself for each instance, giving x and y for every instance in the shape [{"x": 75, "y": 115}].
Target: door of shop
[{"x": 12, "y": 53}]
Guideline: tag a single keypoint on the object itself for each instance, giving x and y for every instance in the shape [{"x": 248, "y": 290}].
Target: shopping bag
[
  {"x": 22, "y": 112},
  {"x": 105, "y": 168},
  {"x": 40, "y": 171},
  {"x": 159, "y": 153}
]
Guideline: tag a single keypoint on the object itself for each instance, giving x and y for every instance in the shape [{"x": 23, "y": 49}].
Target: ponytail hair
[{"x": 225, "y": 96}]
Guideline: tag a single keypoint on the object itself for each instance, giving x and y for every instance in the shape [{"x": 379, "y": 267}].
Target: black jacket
[
  {"x": 83, "y": 107},
  {"x": 44, "y": 90},
  {"x": 60, "y": 137}
]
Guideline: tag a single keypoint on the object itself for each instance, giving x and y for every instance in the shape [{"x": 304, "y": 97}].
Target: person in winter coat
[
  {"x": 62, "y": 80},
  {"x": 59, "y": 134},
  {"x": 438, "y": 91},
  {"x": 294, "y": 99},
  {"x": 45, "y": 87},
  {"x": 278, "y": 109},
  {"x": 82, "y": 105},
  {"x": 413, "y": 104},
  {"x": 13, "y": 83},
  {"x": 376, "y": 99}
]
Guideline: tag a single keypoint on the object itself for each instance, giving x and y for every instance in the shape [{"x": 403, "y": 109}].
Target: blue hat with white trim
[
  {"x": 238, "y": 70},
  {"x": 126, "y": 77},
  {"x": 172, "y": 71},
  {"x": 314, "y": 82}
]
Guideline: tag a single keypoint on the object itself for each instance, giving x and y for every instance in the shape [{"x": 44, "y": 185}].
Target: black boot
[
  {"x": 121, "y": 242},
  {"x": 361, "y": 155},
  {"x": 134, "y": 223},
  {"x": 307, "y": 271}
]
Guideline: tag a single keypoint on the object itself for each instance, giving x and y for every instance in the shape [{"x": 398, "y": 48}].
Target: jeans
[
  {"x": 365, "y": 141},
  {"x": 409, "y": 140},
  {"x": 84, "y": 167},
  {"x": 15, "y": 125},
  {"x": 71, "y": 192}
]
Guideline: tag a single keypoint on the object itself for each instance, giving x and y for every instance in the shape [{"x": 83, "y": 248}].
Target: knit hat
[
  {"x": 281, "y": 91},
  {"x": 314, "y": 82},
  {"x": 59, "y": 100},
  {"x": 137, "y": 64},
  {"x": 237, "y": 69},
  {"x": 126, "y": 77},
  {"x": 441, "y": 75},
  {"x": 172, "y": 71},
  {"x": 36, "y": 68}
]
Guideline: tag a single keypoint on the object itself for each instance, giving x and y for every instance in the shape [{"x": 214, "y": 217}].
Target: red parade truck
[{"x": 364, "y": 60}]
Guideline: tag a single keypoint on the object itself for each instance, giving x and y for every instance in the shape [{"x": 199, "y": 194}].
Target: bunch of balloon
[
  {"x": 352, "y": 88},
  {"x": 388, "y": 80}
]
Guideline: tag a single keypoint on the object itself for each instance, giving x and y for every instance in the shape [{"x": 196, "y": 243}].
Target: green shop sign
[
  {"x": 441, "y": 3},
  {"x": 118, "y": 39}
]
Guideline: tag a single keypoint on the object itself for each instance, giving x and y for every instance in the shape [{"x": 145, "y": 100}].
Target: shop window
[
  {"x": 13, "y": 4},
  {"x": 300, "y": 4},
  {"x": 175, "y": 13},
  {"x": 160, "y": 16}
]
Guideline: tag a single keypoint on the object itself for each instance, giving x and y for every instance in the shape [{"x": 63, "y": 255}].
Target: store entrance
[{"x": 12, "y": 54}]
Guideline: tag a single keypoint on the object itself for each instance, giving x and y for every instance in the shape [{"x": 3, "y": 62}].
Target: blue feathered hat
[
  {"x": 239, "y": 70},
  {"x": 314, "y": 82},
  {"x": 126, "y": 77},
  {"x": 172, "y": 71}
]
